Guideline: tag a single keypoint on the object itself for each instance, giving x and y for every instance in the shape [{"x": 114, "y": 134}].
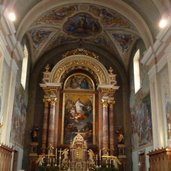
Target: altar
[
  {"x": 78, "y": 130},
  {"x": 76, "y": 158}
]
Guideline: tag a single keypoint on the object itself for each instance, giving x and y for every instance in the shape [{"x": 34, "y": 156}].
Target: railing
[
  {"x": 5, "y": 158},
  {"x": 160, "y": 159}
]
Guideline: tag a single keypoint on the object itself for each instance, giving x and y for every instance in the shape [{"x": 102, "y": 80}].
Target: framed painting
[{"x": 78, "y": 116}]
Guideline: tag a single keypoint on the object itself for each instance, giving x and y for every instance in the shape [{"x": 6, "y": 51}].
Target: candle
[
  {"x": 100, "y": 153},
  {"x": 56, "y": 152},
  {"x": 96, "y": 157}
]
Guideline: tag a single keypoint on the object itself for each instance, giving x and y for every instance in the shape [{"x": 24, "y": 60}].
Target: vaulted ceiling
[{"x": 113, "y": 25}]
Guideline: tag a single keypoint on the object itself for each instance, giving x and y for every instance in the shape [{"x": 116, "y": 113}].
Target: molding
[
  {"x": 3, "y": 48},
  {"x": 162, "y": 63},
  {"x": 43, "y": 85},
  {"x": 147, "y": 56},
  {"x": 158, "y": 46},
  {"x": 9, "y": 39},
  {"x": 108, "y": 86},
  {"x": 14, "y": 66},
  {"x": 152, "y": 72}
]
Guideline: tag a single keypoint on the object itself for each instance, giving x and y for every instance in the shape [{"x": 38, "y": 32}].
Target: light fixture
[
  {"x": 163, "y": 22},
  {"x": 12, "y": 16}
]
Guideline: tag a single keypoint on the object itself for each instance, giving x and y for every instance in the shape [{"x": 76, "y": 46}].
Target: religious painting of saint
[
  {"x": 79, "y": 81},
  {"x": 78, "y": 116}
]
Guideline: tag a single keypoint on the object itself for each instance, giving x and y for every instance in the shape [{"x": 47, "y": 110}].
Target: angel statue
[
  {"x": 40, "y": 160},
  {"x": 65, "y": 160},
  {"x": 91, "y": 156}
]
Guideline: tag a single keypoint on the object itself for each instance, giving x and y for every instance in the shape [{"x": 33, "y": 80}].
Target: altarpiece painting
[{"x": 78, "y": 108}]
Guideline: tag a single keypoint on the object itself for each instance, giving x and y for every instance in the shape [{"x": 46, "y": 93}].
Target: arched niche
[{"x": 83, "y": 62}]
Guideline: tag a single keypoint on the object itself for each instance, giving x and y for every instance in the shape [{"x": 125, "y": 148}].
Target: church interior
[{"x": 85, "y": 85}]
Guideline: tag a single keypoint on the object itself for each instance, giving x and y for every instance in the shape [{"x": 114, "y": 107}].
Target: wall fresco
[{"x": 141, "y": 123}]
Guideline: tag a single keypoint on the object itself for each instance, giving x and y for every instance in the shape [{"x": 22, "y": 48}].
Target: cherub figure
[
  {"x": 65, "y": 160},
  {"x": 65, "y": 154},
  {"x": 40, "y": 159},
  {"x": 91, "y": 156},
  {"x": 50, "y": 149}
]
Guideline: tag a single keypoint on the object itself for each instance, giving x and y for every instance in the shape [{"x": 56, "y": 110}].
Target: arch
[
  {"x": 80, "y": 61},
  {"x": 119, "y": 6}
]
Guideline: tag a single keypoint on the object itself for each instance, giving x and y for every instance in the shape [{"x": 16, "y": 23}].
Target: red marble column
[
  {"x": 105, "y": 130},
  {"x": 111, "y": 125},
  {"x": 51, "y": 131},
  {"x": 45, "y": 123}
]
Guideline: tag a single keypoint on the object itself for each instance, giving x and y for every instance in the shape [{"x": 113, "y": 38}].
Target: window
[
  {"x": 24, "y": 67},
  {"x": 136, "y": 65}
]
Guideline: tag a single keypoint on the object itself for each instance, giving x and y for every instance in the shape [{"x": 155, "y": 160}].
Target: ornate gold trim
[
  {"x": 81, "y": 62},
  {"x": 80, "y": 51}
]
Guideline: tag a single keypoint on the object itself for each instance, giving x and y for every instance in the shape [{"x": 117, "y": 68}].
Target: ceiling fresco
[
  {"x": 56, "y": 16},
  {"x": 83, "y": 23},
  {"x": 116, "y": 24},
  {"x": 38, "y": 36}
]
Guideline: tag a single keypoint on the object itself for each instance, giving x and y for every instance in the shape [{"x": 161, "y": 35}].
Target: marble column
[
  {"x": 51, "y": 130},
  {"x": 45, "y": 122},
  {"x": 111, "y": 126},
  {"x": 105, "y": 129}
]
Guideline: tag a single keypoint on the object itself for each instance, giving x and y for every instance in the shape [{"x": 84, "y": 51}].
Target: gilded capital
[
  {"x": 105, "y": 102},
  {"x": 53, "y": 100}
]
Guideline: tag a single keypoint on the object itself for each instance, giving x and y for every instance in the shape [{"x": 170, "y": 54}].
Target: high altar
[{"x": 78, "y": 121}]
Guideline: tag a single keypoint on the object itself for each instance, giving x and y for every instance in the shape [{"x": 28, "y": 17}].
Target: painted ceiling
[{"x": 113, "y": 25}]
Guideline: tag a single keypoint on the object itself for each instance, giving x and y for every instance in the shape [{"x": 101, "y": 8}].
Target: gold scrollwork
[
  {"x": 83, "y": 61},
  {"x": 80, "y": 51}
]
